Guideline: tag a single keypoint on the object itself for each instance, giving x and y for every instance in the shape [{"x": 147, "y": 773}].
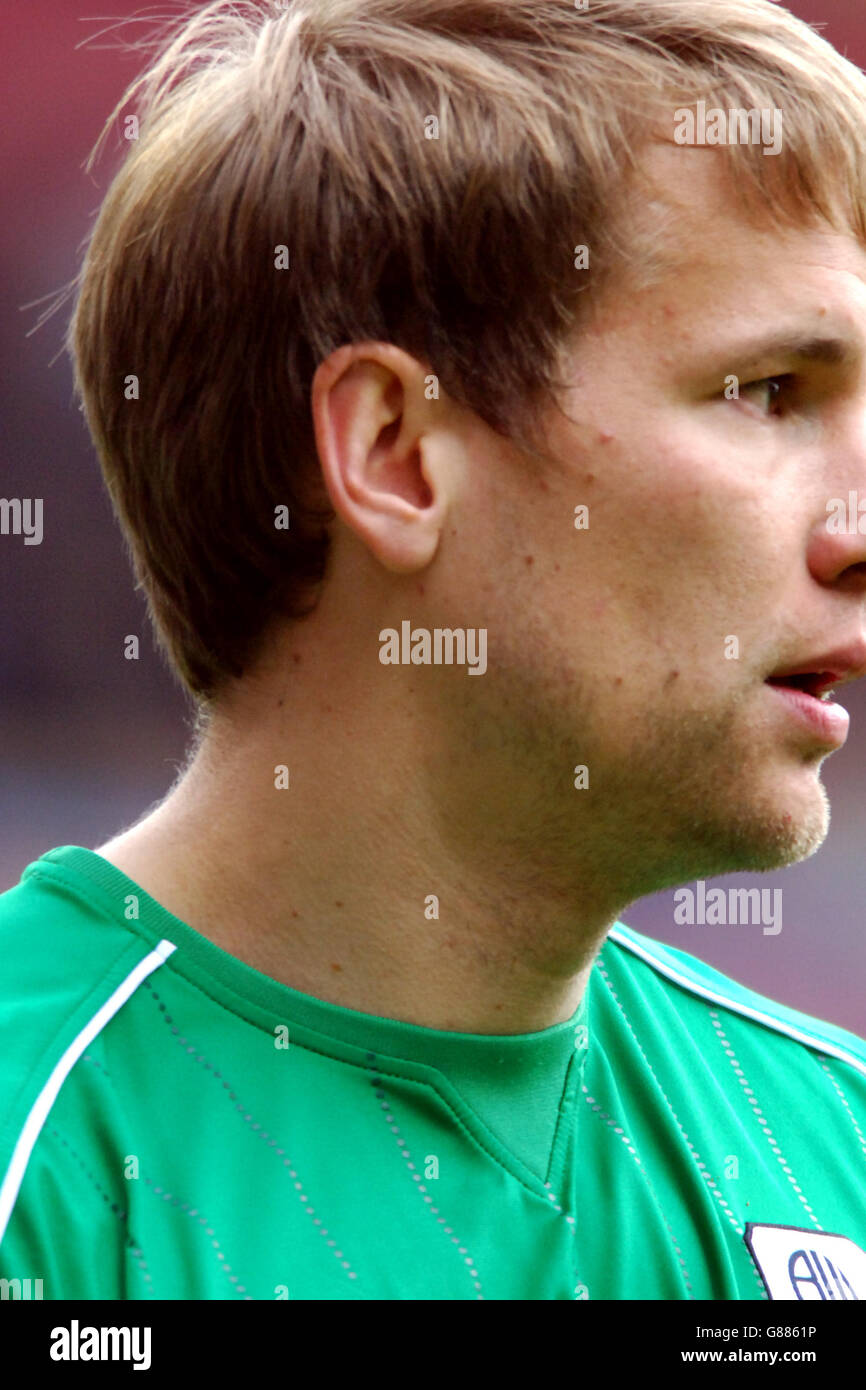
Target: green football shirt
[{"x": 176, "y": 1125}]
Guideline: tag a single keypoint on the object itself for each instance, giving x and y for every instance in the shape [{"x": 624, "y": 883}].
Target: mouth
[
  {"x": 807, "y": 699},
  {"x": 805, "y": 695},
  {"x": 817, "y": 684}
]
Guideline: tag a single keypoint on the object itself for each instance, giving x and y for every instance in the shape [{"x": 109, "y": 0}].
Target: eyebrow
[{"x": 833, "y": 351}]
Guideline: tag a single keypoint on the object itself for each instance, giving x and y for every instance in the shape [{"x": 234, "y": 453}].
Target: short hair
[{"x": 430, "y": 167}]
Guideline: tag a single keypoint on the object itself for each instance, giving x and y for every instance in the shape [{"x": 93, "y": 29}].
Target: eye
[{"x": 768, "y": 393}]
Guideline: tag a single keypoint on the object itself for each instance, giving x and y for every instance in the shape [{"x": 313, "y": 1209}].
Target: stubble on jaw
[
  {"x": 681, "y": 791},
  {"x": 720, "y": 794}
]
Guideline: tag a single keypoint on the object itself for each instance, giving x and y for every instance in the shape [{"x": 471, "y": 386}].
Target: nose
[{"x": 837, "y": 546}]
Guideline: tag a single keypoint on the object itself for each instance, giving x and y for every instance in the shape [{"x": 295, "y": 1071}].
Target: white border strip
[
  {"x": 47, "y": 1096},
  {"x": 780, "y": 1025}
]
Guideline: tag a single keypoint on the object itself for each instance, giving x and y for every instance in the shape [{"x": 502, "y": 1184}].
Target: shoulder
[
  {"x": 686, "y": 983},
  {"x": 61, "y": 941},
  {"x": 768, "y": 1102},
  {"x": 69, "y": 962}
]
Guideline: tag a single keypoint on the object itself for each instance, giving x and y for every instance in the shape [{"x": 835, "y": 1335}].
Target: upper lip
[{"x": 829, "y": 669}]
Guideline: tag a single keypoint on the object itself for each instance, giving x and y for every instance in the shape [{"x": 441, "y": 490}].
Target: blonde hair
[{"x": 307, "y": 125}]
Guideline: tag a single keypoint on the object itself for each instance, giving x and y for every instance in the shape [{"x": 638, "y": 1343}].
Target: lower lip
[{"x": 824, "y": 718}]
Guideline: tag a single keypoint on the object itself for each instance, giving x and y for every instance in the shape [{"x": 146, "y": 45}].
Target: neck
[{"x": 358, "y": 885}]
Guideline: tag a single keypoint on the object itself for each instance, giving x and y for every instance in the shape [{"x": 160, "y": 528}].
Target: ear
[{"x": 374, "y": 433}]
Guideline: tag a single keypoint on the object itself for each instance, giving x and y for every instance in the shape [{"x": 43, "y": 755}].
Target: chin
[
  {"x": 782, "y": 825},
  {"x": 785, "y": 829}
]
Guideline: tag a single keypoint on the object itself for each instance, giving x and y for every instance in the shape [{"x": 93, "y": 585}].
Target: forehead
[{"x": 699, "y": 254}]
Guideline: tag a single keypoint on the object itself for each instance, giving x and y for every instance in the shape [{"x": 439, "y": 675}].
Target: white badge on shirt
[{"x": 813, "y": 1266}]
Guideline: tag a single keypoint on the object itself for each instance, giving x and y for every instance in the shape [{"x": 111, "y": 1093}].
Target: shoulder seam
[{"x": 623, "y": 937}]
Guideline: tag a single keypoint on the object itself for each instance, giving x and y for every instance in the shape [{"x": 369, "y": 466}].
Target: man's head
[{"x": 343, "y": 262}]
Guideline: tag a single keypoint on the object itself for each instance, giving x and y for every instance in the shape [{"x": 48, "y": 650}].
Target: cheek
[
  {"x": 669, "y": 550},
  {"x": 672, "y": 517}
]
